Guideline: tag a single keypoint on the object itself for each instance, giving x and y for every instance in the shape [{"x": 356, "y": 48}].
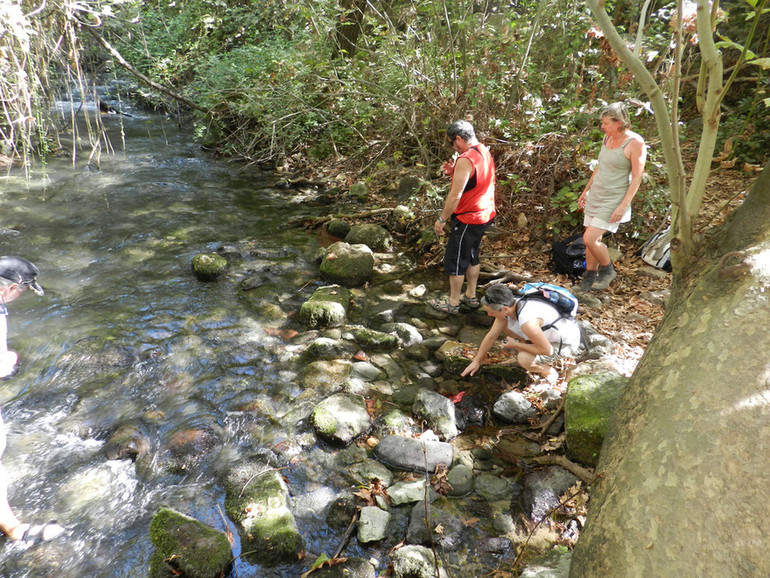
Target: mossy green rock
[
  {"x": 327, "y": 307},
  {"x": 209, "y": 266},
  {"x": 257, "y": 499},
  {"x": 359, "y": 191},
  {"x": 348, "y": 265},
  {"x": 338, "y": 228},
  {"x": 373, "y": 340},
  {"x": 373, "y": 236},
  {"x": 588, "y": 406},
  {"x": 183, "y": 544}
]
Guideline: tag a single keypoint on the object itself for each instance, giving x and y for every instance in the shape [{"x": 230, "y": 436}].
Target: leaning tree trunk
[{"x": 684, "y": 477}]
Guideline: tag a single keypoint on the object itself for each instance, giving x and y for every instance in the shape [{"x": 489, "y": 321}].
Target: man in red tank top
[{"x": 470, "y": 209}]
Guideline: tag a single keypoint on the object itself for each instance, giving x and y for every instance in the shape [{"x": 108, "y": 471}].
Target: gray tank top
[{"x": 610, "y": 183}]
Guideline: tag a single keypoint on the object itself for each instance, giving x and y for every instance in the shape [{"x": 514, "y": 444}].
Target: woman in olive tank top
[{"x": 606, "y": 199}]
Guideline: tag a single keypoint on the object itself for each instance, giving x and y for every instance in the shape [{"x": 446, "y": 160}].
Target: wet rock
[
  {"x": 341, "y": 418},
  {"x": 413, "y": 454},
  {"x": 371, "y": 235},
  {"x": 325, "y": 376},
  {"x": 415, "y": 562},
  {"x": 189, "y": 447},
  {"x": 365, "y": 472},
  {"x": 513, "y": 407},
  {"x": 394, "y": 422},
  {"x": 588, "y": 405},
  {"x": 372, "y": 340},
  {"x": 448, "y": 537},
  {"x": 408, "y": 335},
  {"x": 387, "y": 364},
  {"x": 495, "y": 545},
  {"x": 406, "y": 395},
  {"x": 338, "y": 228},
  {"x": 372, "y": 524},
  {"x": 184, "y": 546},
  {"x": 209, "y": 266},
  {"x": 410, "y": 492},
  {"x": 350, "y": 568},
  {"x": 439, "y": 413},
  {"x": 127, "y": 442},
  {"x": 342, "y": 510},
  {"x": 257, "y": 500},
  {"x": 325, "y": 348},
  {"x": 366, "y": 372},
  {"x": 460, "y": 478},
  {"x": 492, "y": 488},
  {"x": 553, "y": 564},
  {"x": 543, "y": 489},
  {"x": 348, "y": 265},
  {"x": 327, "y": 307}
]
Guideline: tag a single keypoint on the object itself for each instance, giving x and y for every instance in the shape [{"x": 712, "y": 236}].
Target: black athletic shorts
[{"x": 462, "y": 249}]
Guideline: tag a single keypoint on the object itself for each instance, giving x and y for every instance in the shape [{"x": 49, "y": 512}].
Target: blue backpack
[{"x": 560, "y": 298}]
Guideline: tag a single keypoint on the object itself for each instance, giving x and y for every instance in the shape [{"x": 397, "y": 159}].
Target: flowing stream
[{"x": 126, "y": 334}]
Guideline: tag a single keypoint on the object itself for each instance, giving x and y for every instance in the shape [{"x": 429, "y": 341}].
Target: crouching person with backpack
[{"x": 535, "y": 328}]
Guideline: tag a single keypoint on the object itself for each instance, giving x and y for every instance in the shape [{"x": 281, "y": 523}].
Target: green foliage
[{"x": 566, "y": 216}]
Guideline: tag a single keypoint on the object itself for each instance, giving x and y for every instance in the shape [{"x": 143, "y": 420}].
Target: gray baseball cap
[{"x": 21, "y": 271}]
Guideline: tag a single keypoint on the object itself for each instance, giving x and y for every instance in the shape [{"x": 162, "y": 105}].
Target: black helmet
[{"x": 21, "y": 271}]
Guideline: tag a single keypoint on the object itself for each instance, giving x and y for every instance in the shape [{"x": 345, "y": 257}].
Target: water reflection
[{"x": 126, "y": 335}]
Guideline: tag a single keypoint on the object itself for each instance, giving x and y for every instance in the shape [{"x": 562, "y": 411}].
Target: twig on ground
[{"x": 585, "y": 475}]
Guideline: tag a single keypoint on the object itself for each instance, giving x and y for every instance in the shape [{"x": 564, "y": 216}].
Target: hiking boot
[
  {"x": 587, "y": 283},
  {"x": 606, "y": 275}
]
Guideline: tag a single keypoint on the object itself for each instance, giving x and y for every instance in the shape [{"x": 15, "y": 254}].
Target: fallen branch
[
  {"x": 346, "y": 536},
  {"x": 314, "y": 222},
  {"x": 552, "y": 419},
  {"x": 585, "y": 475},
  {"x": 122, "y": 61}
]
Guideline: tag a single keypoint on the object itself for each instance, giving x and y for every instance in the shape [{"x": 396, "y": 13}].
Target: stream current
[{"x": 126, "y": 334}]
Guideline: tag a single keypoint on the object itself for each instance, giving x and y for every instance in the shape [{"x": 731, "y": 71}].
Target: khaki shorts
[
  {"x": 600, "y": 224},
  {"x": 566, "y": 351}
]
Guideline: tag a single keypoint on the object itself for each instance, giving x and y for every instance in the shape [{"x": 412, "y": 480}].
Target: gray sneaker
[
  {"x": 587, "y": 283},
  {"x": 606, "y": 275}
]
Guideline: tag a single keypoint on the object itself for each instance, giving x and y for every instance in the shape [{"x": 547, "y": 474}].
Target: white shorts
[{"x": 599, "y": 224}]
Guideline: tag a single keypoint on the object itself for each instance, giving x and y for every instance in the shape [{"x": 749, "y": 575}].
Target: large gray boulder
[{"x": 348, "y": 265}]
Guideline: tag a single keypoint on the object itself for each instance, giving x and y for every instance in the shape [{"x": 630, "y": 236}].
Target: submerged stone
[
  {"x": 209, "y": 266},
  {"x": 184, "y": 546}
]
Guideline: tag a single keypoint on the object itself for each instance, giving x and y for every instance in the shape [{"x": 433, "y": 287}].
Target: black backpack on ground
[{"x": 568, "y": 257}]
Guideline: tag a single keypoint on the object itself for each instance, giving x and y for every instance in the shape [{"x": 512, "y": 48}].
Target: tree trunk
[
  {"x": 349, "y": 28},
  {"x": 684, "y": 475}
]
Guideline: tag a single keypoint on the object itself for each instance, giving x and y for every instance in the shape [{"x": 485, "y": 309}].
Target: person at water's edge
[
  {"x": 538, "y": 349},
  {"x": 606, "y": 199},
  {"x": 470, "y": 209},
  {"x": 17, "y": 275}
]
